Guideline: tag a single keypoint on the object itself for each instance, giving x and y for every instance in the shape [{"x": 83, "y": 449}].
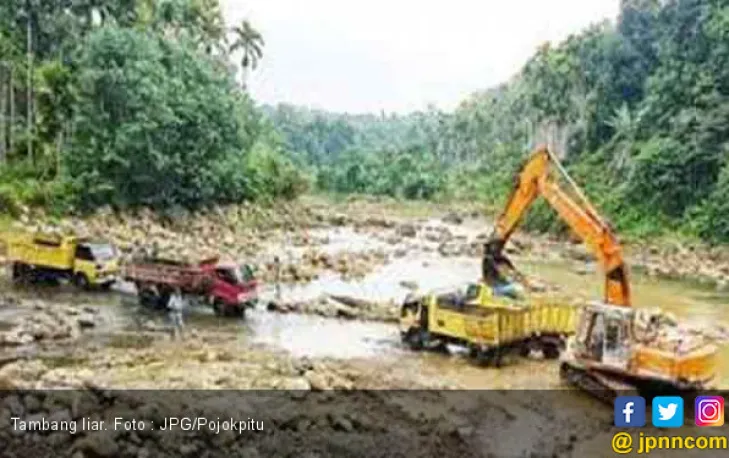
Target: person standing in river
[
  {"x": 277, "y": 277},
  {"x": 175, "y": 306}
]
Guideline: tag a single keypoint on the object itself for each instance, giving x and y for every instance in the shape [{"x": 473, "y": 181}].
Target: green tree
[
  {"x": 249, "y": 42},
  {"x": 153, "y": 120}
]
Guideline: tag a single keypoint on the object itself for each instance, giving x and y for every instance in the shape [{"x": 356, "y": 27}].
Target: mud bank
[{"x": 371, "y": 423}]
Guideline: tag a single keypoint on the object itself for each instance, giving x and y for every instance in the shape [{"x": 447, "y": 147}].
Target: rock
[
  {"x": 60, "y": 415},
  {"x": 298, "y": 385},
  {"x": 98, "y": 444},
  {"x": 394, "y": 239},
  {"x": 338, "y": 220},
  {"x": 249, "y": 452},
  {"x": 585, "y": 269},
  {"x": 32, "y": 403},
  {"x": 449, "y": 249},
  {"x": 579, "y": 253},
  {"x": 400, "y": 252},
  {"x": 16, "y": 337},
  {"x": 465, "y": 432},
  {"x": 406, "y": 230},
  {"x": 344, "y": 311},
  {"x": 409, "y": 284},
  {"x": 86, "y": 320},
  {"x": 722, "y": 285},
  {"x": 187, "y": 449},
  {"x": 340, "y": 423},
  {"x": 317, "y": 381},
  {"x": 453, "y": 218}
]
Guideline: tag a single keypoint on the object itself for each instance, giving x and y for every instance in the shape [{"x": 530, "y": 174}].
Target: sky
[{"x": 400, "y": 55}]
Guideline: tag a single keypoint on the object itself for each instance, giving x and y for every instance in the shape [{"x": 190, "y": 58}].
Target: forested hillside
[
  {"x": 638, "y": 109},
  {"x": 131, "y": 102},
  {"x": 143, "y": 102}
]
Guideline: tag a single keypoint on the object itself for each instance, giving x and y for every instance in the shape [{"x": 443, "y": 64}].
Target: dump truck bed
[
  {"x": 49, "y": 251},
  {"x": 504, "y": 325},
  {"x": 173, "y": 275}
]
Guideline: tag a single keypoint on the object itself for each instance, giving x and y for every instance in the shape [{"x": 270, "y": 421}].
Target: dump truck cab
[
  {"x": 96, "y": 262},
  {"x": 233, "y": 284}
]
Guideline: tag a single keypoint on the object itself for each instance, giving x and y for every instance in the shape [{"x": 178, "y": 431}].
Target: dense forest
[
  {"x": 637, "y": 108},
  {"x": 131, "y": 102},
  {"x": 143, "y": 102}
]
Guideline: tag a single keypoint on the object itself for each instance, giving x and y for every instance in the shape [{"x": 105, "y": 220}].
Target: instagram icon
[{"x": 709, "y": 411}]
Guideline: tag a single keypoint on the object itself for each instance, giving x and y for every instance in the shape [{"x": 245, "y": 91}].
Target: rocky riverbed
[{"x": 345, "y": 267}]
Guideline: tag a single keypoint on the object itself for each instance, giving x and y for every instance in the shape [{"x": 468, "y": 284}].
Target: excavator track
[{"x": 604, "y": 388}]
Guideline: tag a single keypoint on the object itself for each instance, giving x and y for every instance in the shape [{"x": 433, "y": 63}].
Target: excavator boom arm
[{"x": 533, "y": 181}]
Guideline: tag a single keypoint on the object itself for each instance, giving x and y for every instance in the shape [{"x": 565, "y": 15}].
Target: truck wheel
[
  {"x": 497, "y": 359},
  {"x": 106, "y": 286},
  {"x": 484, "y": 357},
  {"x": 147, "y": 298},
  {"x": 415, "y": 340},
  {"x": 550, "y": 351},
  {"x": 524, "y": 350},
  {"x": 163, "y": 300},
  {"x": 20, "y": 272},
  {"x": 81, "y": 281},
  {"x": 218, "y": 307}
]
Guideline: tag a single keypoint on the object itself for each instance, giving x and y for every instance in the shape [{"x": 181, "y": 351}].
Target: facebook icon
[{"x": 629, "y": 411}]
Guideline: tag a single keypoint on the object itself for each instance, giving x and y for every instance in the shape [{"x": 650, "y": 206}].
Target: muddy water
[{"x": 333, "y": 338}]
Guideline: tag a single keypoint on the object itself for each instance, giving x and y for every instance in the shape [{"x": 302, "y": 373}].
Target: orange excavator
[
  {"x": 535, "y": 180},
  {"x": 615, "y": 347}
]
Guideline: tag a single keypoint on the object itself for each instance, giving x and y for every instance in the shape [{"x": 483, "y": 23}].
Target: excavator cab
[{"x": 604, "y": 335}]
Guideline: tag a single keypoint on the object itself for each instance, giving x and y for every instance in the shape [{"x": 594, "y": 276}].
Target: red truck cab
[{"x": 233, "y": 287}]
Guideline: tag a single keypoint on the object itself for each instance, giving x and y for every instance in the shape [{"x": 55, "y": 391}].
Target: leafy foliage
[
  {"x": 151, "y": 120},
  {"x": 131, "y": 102},
  {"x": 639, "y": 110}
]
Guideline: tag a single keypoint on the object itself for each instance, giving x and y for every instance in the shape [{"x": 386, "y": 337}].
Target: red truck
[{"x": 228, "y": 287}]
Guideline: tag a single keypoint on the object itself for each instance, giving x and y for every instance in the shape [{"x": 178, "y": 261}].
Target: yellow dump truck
[
  {"x": 489, "y": 326},
  {"x": 38, "y": 256}
]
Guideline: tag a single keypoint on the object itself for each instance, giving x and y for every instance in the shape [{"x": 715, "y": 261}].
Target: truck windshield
[
  {"x": 236, "y": 275},
  {"x": 102, "y": 251}
]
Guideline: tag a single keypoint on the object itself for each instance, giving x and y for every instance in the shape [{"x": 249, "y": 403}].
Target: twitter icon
[{"x": 668, "y": 411}]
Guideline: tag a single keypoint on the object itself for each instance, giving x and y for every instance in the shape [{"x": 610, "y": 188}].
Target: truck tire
[
  {"x": 550, "y": 351},
  {"x": 20, "y": 272},
  {"x": 218, "y": 307},
  {"x": 484, "y": 357},
  {"x": 525, "y": 348},
  {"x": 163, "y": 300},
  {"x": 81, "y": 281},
  {"x": 414, "y": 339},
  {"x": 147, "y": 297}
]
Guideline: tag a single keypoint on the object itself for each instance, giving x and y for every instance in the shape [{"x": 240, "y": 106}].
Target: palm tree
[
  {"x": 625, "y": 125},
  {"x": 250, "y": 41}
]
